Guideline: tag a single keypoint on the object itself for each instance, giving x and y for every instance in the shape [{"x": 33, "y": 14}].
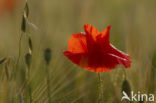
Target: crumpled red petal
[
  {"x": 103, "y": 39},
  {"x": 80, "y": 59},
  {"x": 122, "y": 55},
  {"x": 106, "y": 62},
  {"x": 105, "y": 35},
  {"x": 91, "y": 31},
  {"x": 77, "y": 43}
]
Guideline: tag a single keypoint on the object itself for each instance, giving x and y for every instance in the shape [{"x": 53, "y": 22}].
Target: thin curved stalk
[{"x": 19, "y": 49}]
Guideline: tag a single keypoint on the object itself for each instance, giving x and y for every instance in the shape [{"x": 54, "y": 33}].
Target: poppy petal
[
  {"x": 119, "y": 53},
  {"x": 103, "y": 39},
  {"x": 105, "y": 35},
  {"x": 91, "y": 35},
  {"x": 114, "y": 60},
  {"x": 91, "y": 31},
  {"x": 80, "y": 59},
  {"x": 106, "y": 62},
  {"x": 77, "y": 43},
  {"x": 99, "y": 69}
]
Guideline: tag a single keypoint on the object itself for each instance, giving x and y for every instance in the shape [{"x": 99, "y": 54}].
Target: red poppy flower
[{"x": 92, "y": 51}]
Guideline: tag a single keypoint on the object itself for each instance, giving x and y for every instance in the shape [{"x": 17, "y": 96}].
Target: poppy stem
[
  {"x": 21, "y": 97},
  {"x": 124, "y": 73},
  {"x": 100, "y": 86},
  {"x": 48, "y": 84}
]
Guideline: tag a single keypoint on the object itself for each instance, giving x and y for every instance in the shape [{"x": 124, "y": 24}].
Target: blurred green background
[{"x": 133, "y": 31}]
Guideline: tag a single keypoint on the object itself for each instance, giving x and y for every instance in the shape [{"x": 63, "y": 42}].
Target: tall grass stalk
[
  {"x": 28, "y": 59},
  {"x": 19, "y": 49},
  {"x": 23, "y": 30},
  {"x": 29, "y": 86}
]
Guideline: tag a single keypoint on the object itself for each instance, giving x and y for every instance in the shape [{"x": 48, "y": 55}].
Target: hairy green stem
[
  {"x": 124, "y": 73},
  {"x": 48, "y": 83},
  {"x": 100, "y": 87}
]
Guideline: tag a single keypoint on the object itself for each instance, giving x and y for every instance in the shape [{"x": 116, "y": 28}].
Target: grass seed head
[
  {"x": 30, "y": 44},
  {"x": 23, "y": 25},
  {"x": 28, "y": 58},
  {"x": 26, "y": 10}
]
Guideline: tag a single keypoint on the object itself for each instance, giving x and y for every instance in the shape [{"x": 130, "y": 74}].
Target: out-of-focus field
[{"x": 133, "y": 31}]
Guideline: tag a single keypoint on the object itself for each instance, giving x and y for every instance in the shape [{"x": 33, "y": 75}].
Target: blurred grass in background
[{"x": 133, "y": 31}]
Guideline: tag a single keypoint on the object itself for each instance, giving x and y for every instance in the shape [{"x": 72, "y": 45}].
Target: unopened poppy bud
[
  {"x": 28, "y": 58},
  {"x": 47, "y": 55},
  {"x": 142, "y": 101},
  {"x": 126, "y": 87}
]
